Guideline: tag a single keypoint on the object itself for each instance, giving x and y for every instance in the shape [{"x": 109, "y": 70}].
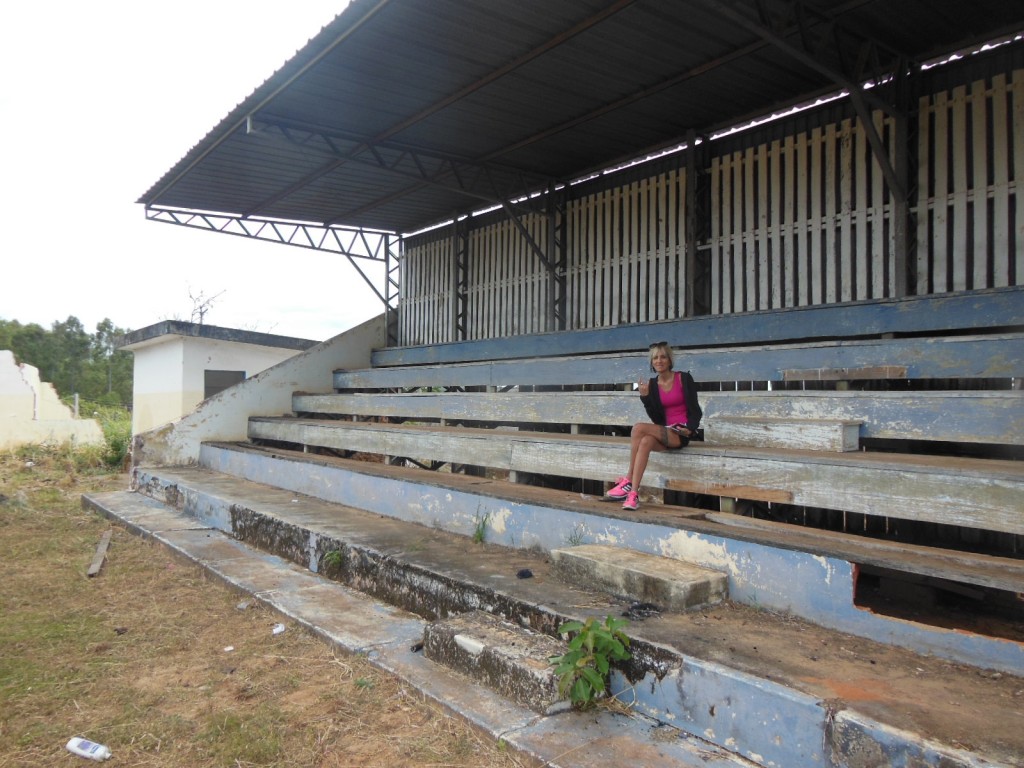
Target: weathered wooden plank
[
  {"x": 817, "y": 181},
  {"x": 831, "y": 269},
  {"x": 749, "y": 226},
  {"x": 961, "y": 188},
  {"x": 939, "y": 266},
  {"x": 845, "y": 289},
  {"x": 883, "y": 280},
  {"x": 101, "y": 554},
  {"x": 981, "y": 277},
  {"x": 861, "y": 288},
  {"x": 970, "y": 416},
  {"x": 846, "y": 374},
  {"x": 997, "y": 308},
  {"x": 1000, "y": 184},
  {"x": 959, "y": 356},
  {"x": 965, "y": 567},
  {"x": 774, "y": 223},
  {"x": 801, "y": 225},
  {"x": 789, "y": 235},
  {"x": 752, "y": 493},
  {"x": 800, "y": 434},
  {"x": 967, "y": 417},
  {"x": 1018, "y": 171},
  {"x": 925, "y": 213},
  {"x": 972, "y": 493}
]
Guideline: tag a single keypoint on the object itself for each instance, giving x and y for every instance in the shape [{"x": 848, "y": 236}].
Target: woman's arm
[
  {"x": 652, "y": 403},
  {"x": 693, "y": 410}
]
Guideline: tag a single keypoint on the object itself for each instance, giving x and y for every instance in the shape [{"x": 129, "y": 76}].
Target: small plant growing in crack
[
  {"x": 583, "y": 671},
  {"x": 480, "y": 523},
  {"x": 331, "y": 563},
  {"x": 576, "y": 537}
]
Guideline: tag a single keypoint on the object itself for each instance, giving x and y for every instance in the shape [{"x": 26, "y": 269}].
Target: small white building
[
  {"x": 31, "y": 411},
  {"x": 180, "y": 364}
]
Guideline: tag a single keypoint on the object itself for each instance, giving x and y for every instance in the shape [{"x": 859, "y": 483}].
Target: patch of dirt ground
[{"x": 168, "y": 667}]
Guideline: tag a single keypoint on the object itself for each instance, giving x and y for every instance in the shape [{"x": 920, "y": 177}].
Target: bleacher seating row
[
  {"x": 896, "y": 413},
  {"x": 952, "y": 387}
]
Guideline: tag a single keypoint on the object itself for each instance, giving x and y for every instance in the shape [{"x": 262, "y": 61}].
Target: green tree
[
  {"x": 72, "y": 345},
  {"x": 74, "y": 361},
  {"x": 30, "y": 344},
  {"x": 114, "y": 364}
]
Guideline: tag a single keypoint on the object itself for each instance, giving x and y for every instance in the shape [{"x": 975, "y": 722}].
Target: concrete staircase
[{"x": 459, "y": 584}]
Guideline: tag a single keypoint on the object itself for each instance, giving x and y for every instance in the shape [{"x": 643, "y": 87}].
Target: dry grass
[{"x": 137, "y": 657}]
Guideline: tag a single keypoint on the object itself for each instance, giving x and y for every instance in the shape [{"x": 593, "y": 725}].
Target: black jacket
[{"x": 652, "y": 403}]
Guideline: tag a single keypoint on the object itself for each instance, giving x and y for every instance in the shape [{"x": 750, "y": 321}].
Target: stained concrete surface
[{"x": 964, "y": 712}]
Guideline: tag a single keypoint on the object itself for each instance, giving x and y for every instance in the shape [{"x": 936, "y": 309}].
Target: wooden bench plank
[
  {"x": 802, "y": 434},
  {"x": 971, "y": 311},
  {"x": 847, "y": 374},
  {"x": 974, "y": 493},
  {"x": 967, "y": 567},
  {"x": 977, "y": 416},
  {"x": 970, "y": 416},
  {"x": 986, "y": 357}
]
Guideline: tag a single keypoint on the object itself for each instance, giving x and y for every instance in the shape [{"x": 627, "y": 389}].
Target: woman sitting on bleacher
[{"x": 670, "y": 399}]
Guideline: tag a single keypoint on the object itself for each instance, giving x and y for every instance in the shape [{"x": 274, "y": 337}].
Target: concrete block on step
[
  {"x": 505, "y": 657},
  {"x": 671, "y": 584}
]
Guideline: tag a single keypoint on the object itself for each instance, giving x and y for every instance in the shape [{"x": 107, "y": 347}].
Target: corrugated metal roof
[{"x": 403, "y": 113}]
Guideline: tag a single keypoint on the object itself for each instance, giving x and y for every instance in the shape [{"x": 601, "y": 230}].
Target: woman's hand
[{"x": 644, "y": 386}]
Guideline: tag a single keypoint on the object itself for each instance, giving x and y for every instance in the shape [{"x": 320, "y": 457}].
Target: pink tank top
[{"x": 674, "y": 402}]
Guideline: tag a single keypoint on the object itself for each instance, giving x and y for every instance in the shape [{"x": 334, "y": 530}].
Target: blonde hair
[{"x": 660, "y": 346}]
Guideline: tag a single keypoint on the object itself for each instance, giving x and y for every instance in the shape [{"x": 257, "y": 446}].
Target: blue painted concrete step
[
  {"x": 387, "y": 636},
  {"x": 767, "y": 686}
]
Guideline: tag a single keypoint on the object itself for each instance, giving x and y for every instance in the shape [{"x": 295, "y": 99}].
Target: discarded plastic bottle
[{"x": 89, "y": 749}]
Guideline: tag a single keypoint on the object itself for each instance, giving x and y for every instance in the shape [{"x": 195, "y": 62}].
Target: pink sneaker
[
  {"x": 632, "y": 501},
  {"x": 620, "y": 490}
]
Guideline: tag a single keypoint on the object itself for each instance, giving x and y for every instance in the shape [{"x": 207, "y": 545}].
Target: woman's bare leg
[{"x": 645, "y": 438}]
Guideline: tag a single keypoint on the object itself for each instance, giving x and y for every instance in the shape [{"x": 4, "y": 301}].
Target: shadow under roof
[{"x": 401, "y": 114}]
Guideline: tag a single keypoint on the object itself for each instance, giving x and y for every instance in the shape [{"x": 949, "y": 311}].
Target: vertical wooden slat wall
[
  {"x": 970, "y": 208},
  {"x": 798, "y": 220},
  {"x": 625, "y": 259},
  {"x": 425, "y": 293}
]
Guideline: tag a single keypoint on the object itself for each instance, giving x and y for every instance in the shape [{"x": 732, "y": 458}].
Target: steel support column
[
  {"x": 459, "y": 303},
  {"x": 697, "y": 268},
  {"x": 394, "y": 249},
  {"x": 557, "y": 249}
]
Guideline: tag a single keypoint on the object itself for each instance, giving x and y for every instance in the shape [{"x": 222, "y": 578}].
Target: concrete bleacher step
[
  {"x": 390, "y": 638},
  {"x": 667, "y": 583},
  {"x": 766, "y": 686},
  {"x": 505, "y": 657},
  {"x": 813, "y": 575},
  {"x": 838, "y": 435}
]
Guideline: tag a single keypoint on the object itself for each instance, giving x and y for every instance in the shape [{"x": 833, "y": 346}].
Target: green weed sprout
[{"x": 584, "y": 670}]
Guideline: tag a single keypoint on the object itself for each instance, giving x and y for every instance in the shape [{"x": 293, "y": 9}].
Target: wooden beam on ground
[{"x": 101, "y": 554}]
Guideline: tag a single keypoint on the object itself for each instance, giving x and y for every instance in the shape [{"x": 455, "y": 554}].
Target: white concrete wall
[
  {"x": 169, "y": 374},
  {"x": 157, "y": 396},
  {"x": 225, "y": 416},
  {"x": 31, "y": 413}
]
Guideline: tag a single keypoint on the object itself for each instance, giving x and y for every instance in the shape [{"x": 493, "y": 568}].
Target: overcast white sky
[{"x": 99, "y": 100}]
